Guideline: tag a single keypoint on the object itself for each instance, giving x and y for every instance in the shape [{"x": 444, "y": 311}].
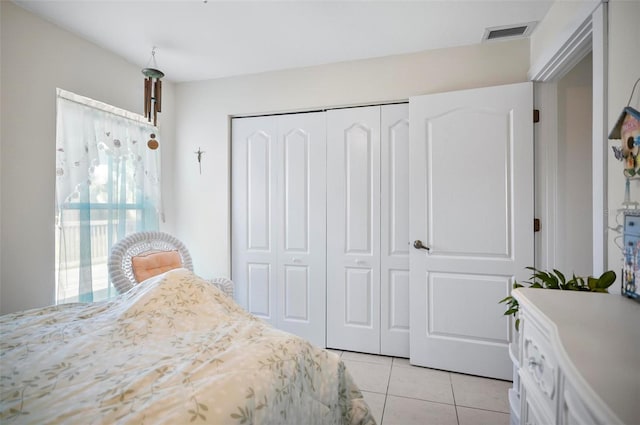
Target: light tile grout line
[
  {"x": 483, "y": 409},
  {"x": 422, "y": 399},
  {"x": 386, "y": 393},
  {"x": 453, "y": 393}
]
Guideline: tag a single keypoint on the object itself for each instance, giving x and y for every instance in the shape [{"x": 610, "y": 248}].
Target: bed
[{"x": 172, "y": 350}]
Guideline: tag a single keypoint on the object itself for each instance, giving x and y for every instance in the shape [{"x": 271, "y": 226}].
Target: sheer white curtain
[{"x": 107, "y": 186}]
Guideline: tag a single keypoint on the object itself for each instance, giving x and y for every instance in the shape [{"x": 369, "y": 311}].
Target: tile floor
[{"x": 401, "y": 394}]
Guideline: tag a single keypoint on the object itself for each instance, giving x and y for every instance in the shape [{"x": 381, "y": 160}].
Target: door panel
[
  {"x": 358, "y": 297},
  {"x": 490, "y": 193},
  {"x": 487, "y": 324},
  {"x": 259, "y": 282},
  {"x": 397, "y": 300},
  {"x": 259, "y": 190},
  {"x": 358, "y": 171},
  {"x": 296, "y": 184},
  {"x": 301, "y": 265},
  {"x": 296, "y": 293},
  {"x": 394, "y": 230},
  {"x": 253, "y": 199},
  {"x": 353, "y": 229},
  {"x": 471, "y": 186}
]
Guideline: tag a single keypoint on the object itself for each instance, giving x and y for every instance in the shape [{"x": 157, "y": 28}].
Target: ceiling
[{"x": 199, "y": 40}]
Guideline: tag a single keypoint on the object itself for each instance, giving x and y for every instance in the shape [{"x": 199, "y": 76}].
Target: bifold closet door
[
  {"x": 301, "y": 225},
  {"x": 253, "y": 198},
  {"x": 279, "y": 220},
  {"x": 353, "y": 229},
  {"x": 394, "y": 230}
]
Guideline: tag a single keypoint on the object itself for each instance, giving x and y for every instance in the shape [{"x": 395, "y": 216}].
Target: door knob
[{"x": 417, "y": 244}]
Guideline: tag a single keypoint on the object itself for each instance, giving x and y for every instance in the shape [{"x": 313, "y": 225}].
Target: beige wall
[
  {"x": 624, "y": 70},
  {"x": 203, "y": 111},
  {"x": 36, "y": 58}
]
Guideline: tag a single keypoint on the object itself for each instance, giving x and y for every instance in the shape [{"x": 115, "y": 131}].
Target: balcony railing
[{"x": 67, "y": 287}]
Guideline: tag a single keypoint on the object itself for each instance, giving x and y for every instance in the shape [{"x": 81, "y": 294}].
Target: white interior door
[
  {"x": 394, "y": 230},
  {"x": 254, "y": 252},
  {"x": 353, "y": 229},
  {"x": 301, "y": 228},
  {"x": 471, "y": 186}
]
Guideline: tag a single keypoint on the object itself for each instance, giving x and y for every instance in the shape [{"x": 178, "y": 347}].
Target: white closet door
[
  {"x": 353, "y": 229},
  {"x": 254, "y": 252},
  {"x": 301, "y": 225},
  {"x": 394, "y": 230}
]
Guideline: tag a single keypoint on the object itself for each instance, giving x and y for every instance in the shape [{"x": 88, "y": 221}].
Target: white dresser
[{"x": 579, "y": 358}]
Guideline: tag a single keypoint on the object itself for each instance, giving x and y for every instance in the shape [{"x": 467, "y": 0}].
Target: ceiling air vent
[{"x": 508, "y": 31}]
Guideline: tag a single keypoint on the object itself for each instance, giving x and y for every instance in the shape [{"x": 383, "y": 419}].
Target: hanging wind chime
[{"x": 152, "y": 89}]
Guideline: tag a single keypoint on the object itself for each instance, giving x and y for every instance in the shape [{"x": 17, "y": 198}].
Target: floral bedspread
[{"x": 174, "y": 350}]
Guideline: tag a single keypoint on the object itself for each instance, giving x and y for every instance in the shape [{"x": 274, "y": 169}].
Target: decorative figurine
[{"x": 199, "y": 152}]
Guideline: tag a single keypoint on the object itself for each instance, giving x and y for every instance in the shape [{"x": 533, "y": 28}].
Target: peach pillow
[{"x": 153, "y": 264}]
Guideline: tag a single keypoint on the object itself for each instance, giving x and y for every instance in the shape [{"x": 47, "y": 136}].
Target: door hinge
[
  {"x": 536, "y": 224},
  {"x": 536, "y": 115}
]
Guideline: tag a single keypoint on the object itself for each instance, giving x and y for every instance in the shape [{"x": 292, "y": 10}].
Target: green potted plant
[{"x": 556, "y": 280}]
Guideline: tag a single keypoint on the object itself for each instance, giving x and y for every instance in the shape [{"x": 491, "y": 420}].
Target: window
[{"x": 107, "y": 186}]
